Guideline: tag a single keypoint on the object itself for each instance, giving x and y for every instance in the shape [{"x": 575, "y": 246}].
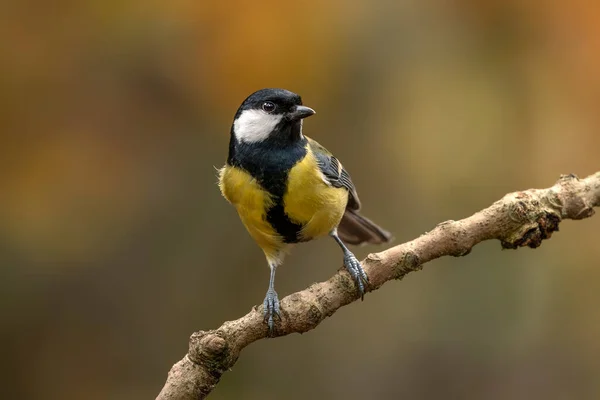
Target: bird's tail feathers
[{"x": 356, "y": 229}]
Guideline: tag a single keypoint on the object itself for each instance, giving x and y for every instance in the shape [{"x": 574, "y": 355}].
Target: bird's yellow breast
[
  {"x": 252, "y": 203},
  {"x": 310, "y": 201}
]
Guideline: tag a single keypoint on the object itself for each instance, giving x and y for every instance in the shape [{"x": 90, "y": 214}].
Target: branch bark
[{"x": 517, "y": 220}]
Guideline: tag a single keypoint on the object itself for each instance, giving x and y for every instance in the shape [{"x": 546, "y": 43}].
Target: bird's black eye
[{"x": 268, "y": 107}]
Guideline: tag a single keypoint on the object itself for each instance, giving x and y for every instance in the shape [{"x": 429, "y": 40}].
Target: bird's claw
[
  {"x": 357, "y": 272},
  {"x": 271, "y": 309}
]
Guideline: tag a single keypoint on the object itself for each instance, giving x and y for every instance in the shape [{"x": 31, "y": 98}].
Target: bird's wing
[{"x": 334, "y": 172}]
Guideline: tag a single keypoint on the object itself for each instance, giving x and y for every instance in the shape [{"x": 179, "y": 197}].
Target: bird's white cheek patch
[{"x": 255, "y": 125}]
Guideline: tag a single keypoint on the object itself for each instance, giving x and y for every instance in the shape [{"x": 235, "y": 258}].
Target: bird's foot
[
  {"x": 271, "y": 309},
  {"x": 357, "y": 272}
]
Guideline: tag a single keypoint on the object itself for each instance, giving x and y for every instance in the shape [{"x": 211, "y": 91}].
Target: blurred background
[{"x": 116, "y": 245}]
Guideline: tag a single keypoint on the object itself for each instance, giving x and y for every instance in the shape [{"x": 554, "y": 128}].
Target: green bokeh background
[{"x": 116, "y": 245}]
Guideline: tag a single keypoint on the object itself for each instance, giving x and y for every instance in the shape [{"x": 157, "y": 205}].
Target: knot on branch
[
  {"x": 303, "y": 312},
  {"x": 534, "y": 216},
  {"x": 211, "y": 350},
  {"x": 534, "y": 233},
  {"x": 409, "y": 262}
]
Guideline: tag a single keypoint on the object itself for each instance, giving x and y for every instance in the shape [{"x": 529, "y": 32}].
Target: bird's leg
[
  {"x": 352, "y": 265},
  {"x": 271, "y": 303}
]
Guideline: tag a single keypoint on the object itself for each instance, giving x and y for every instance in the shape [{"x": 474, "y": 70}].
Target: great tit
[{"x": 287, "y": 188}]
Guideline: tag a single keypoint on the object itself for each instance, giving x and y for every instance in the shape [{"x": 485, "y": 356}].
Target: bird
[{"x": 289, "y": 189}]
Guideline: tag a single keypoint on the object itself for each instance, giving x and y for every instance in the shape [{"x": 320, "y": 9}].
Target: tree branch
[{"x": 519, "y": 219}]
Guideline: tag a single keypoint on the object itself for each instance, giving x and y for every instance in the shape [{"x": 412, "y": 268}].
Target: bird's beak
[{"x": 301, "y": 112}]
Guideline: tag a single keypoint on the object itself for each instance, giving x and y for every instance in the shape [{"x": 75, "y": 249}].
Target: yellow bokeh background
[{"x": 115, "y": 244}]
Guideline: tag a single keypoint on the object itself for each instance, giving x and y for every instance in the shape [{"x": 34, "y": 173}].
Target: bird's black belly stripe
[
  {"x": 279, "y": 220},
  {"x": 270, "y": 165}
]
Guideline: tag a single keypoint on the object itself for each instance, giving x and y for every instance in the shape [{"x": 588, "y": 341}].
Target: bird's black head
[{"x": 270, "y": 114}]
